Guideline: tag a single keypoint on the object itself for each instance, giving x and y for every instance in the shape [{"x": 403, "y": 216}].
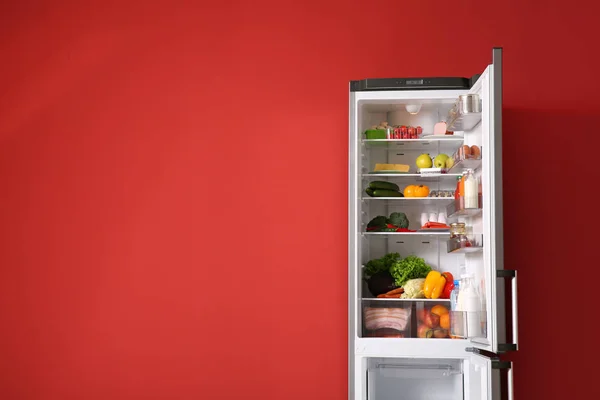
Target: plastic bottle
[
  {"x": 454, "y": 296},
  {"x": 470, "y": 304},
  {"x": 458, "y": 193},
  {"x": 471, "y": 190},
  {"x": 457, "y": 326}
]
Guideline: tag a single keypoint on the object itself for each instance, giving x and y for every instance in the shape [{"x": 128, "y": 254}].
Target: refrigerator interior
[
  {"x": 432, "y": 247},
  {"x": 466, "y": 378},
  {"x": 433, "y": 379}
]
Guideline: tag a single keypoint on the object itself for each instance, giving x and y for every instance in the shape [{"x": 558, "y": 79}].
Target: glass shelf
[
  {"x": 451, "y": 211},
  {"x": 476, "y": 241},
  {"x": 415, "y": 177},
  {"x": 417, "y": 233},
  {"x": 414, "y": 201},
  {"x": 465, "y": 164},
  {"x": 442, "y": 144},
  {"x": 374, "y": 299}
]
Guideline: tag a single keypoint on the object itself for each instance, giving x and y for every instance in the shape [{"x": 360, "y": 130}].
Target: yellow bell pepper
[{"x": 434, "y": 284}]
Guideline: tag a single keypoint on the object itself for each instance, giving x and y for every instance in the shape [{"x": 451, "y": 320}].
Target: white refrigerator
[{"x": 395, "y": 350}]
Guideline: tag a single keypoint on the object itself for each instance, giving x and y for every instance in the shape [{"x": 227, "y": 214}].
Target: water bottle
[
  {"x": 454, "y": 296},
  {"x": 456, "y": 320}
]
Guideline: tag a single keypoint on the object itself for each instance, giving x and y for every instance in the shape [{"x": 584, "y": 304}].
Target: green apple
[
  {"x": 449, "y": 162},
  {"x": 440, "y": 160},
  {"x": 424, "y": 161}
]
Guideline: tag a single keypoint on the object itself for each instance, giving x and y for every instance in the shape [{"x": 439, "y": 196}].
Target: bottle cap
[{"x": 456, "y": 282}]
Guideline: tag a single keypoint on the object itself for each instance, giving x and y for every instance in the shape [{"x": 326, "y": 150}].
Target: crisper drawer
[
  {"x": 412, "y": 379},
  {"x": 410, "y": 318},
  {"x": 391, "y": 319}
]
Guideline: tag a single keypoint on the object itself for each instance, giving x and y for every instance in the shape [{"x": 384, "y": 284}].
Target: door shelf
[
  {"x": 461, "y": 166},
  {"x": 465, "y": 116},
  {"x": 452, "y": 212},
  {"x": 476, "y": 245}
]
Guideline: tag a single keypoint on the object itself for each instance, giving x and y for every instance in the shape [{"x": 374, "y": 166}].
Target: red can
[{"x": 403, "y": 132}]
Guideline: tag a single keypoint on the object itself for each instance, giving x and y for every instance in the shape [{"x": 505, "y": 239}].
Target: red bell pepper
[{"x": 448, "y": 287}]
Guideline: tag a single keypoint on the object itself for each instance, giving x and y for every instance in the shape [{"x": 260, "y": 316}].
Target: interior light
[{"x": 413, "y": 108}]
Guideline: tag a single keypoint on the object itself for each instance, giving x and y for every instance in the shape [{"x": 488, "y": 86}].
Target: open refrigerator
[{"x": 396, "y": 351}]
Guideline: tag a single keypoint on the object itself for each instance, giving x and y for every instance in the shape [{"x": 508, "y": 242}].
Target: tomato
[
  {"x": 409, "y": 191},
  {"x": 421, "y": 191}
]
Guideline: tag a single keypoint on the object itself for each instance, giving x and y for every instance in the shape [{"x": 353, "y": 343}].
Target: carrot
[
  {"x": 389, "y": 296},
  {"x": 396, "y": 291}
]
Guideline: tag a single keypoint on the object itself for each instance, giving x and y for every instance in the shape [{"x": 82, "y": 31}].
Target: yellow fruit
[
  {"x": 439, "y": 310},
  {"x": 421, "y": 191},
  {"x": 424, "y": 161},
  {"x": 445, "y": 321},
  {"x": 409, "y": 191}
]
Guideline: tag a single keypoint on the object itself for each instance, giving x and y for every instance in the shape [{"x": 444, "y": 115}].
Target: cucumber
[
  {"x": 386, "y": 193},
  {"x": 369, "y": 191},
  {"x": 384, "y": 185}
]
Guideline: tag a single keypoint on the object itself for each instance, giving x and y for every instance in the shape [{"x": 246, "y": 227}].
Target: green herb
[
  {"x": 412, "y": 267},
  {"x": 381, "y": 264}
]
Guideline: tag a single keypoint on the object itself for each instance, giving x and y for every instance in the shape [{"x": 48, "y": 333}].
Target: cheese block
[{"x": 392, "y": 167}]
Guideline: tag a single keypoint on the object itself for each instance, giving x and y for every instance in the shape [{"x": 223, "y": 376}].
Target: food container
[
  {"x": 457, "y": 228},
  {"x": 433, "y": 320},
  {"x": 468, "y": 104},
  {"x": 376, "y": 134},
  {"x": 387, "y": 318}
]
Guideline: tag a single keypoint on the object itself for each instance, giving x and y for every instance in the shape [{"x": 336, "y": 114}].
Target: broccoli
[
  {"x": 378, "y": 222},
  {"x": 381, "y": 264},
  {"x": 398, "y": 219}
]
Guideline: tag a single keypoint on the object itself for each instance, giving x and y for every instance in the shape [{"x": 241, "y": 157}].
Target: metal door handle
[{"x": 511, "y": 273}]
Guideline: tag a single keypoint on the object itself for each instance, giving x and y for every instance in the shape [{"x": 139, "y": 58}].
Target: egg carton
[{"x": 432, "y": 171}]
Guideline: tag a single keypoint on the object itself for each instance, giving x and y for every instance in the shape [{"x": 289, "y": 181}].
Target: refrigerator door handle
[
  {"x": 507, "y": 365},
  {"x": 509, "y": 379},
  {"x": 511, "y": 273},
  {"x": 497, "y": 363}
]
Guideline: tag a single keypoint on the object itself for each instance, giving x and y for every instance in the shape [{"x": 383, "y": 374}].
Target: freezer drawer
[
  {"x": 433, "y": 379},
  {"x": 479, "y": 375}
]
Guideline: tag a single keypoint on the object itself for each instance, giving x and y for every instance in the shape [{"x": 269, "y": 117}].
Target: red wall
[{"x": 174, "y": 184}]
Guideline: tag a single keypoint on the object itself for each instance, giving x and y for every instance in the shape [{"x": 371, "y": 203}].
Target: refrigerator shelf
[
  {"x": 384, "y": 234},
  {"x": 442, "y": 144},
  {"x": 407, "y": 201},
  {"x": 415, "y": 177},
  {"x": 375, "y": 299}
]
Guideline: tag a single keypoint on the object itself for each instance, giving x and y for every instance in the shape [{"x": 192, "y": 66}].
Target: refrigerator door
[
  {"x": 489, "y": 88},
  {"x": 483, "y": 378}
]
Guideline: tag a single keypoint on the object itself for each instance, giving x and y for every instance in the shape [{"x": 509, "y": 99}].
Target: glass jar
[{"x": 457, "y": 228}]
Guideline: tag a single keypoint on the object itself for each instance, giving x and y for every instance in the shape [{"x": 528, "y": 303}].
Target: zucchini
[
  {"x": 384, "y": 185},
  {"x": 386, "y": 193},
  {"x": 369, "y": 191}
]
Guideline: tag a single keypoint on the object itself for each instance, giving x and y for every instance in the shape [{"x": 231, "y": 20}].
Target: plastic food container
[
  {"x": 433, "y": 320},
  {"x": 390, "y": 319},
  {"x": 376, "y": 134}
]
